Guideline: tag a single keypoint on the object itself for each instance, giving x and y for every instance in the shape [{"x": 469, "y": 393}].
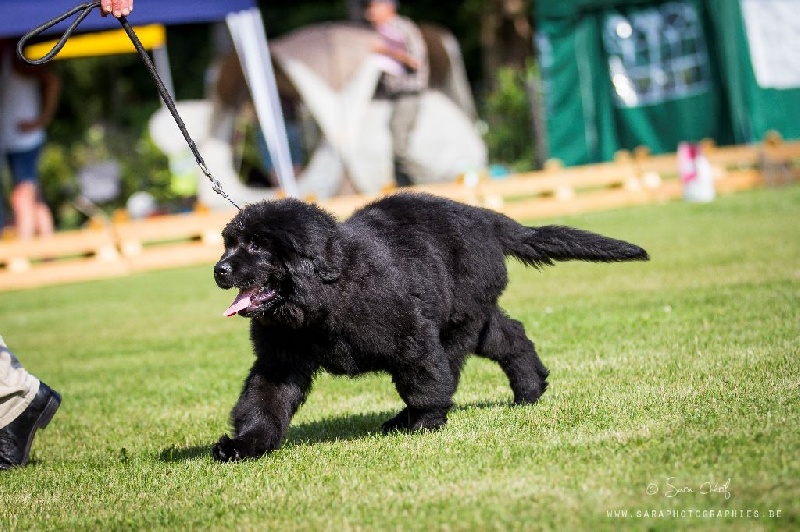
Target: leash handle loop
[{"x": 83, "y": 9}]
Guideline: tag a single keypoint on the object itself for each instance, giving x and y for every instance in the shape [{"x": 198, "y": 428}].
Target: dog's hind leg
[
  {"x": 428, "y": 392},
  {"x": 504, "y": 341}
]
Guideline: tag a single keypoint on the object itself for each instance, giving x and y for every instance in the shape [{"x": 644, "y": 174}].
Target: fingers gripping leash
[{"x": 82, "y": 11}]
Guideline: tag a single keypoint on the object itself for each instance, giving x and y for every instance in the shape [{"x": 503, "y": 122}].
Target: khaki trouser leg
[
  {"x": 405, "y": 109},
  {"x": 17, "y": 386}
]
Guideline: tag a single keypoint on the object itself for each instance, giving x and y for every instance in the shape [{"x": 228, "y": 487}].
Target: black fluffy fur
[{"x": 408, "y": 285}]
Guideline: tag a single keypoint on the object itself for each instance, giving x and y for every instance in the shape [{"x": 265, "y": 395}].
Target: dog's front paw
[{"x": 226, "y": 450}]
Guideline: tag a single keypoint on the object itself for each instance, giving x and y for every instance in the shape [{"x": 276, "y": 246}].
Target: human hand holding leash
[{"x": 118, "y": 8}]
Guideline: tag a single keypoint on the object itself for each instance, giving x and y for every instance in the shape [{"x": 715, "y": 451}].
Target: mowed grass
[{"x": 674, "y": 375}]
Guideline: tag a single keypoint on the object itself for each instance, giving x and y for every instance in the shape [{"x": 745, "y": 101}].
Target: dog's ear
[{"x": 327, "y": 265}]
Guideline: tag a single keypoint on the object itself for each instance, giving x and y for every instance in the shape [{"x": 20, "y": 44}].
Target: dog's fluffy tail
[{"x": 542, "y": 246}]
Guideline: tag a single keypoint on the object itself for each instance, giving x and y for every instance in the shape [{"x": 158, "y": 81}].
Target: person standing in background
[
  {"x": 28, "y": 100},
  {"x": 405, "y": 78}
]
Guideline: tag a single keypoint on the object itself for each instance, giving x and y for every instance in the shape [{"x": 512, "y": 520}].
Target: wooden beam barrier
[
  {"x": 780, "y": 161},
  {"x": 558, "y": 191},
  {"x": 63, "y": 257},
  {"x": 188, "y": 239},
  {"x": 171, "y": 241}
]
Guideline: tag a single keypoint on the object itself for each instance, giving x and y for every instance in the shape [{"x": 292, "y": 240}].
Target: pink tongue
[{"x": 241, "y": 302}]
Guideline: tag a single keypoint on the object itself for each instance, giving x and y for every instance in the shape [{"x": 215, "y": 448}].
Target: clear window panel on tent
[{"x": 656, "y": 54}]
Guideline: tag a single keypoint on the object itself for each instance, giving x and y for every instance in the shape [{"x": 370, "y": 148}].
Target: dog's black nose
[{"x": 222, "y": 273}]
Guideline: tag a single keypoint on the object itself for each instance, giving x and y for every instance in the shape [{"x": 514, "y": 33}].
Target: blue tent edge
[{"x": 17, "y": 17}]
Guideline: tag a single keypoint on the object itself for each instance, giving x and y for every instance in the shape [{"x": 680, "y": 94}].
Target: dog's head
[{"x": 278, "y": 254}]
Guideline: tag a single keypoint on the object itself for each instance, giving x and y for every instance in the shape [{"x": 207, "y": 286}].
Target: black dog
[{"x": 408, "y": 285}]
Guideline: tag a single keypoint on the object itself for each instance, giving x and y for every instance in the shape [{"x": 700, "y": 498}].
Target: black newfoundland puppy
[{"x": 408, "y": 285}]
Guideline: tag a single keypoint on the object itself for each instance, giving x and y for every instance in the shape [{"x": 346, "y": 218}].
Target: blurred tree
[
  {"x": 507, "y": 110},
  {"x": 506, "y": 34},
  {"x": 283, "y": 16},
  {"x": 511, "y": 81}
]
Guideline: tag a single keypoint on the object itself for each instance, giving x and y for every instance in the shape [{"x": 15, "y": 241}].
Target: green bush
[
  {"x": 142, "y": 167},
  {"x": 507, "y": 109}
]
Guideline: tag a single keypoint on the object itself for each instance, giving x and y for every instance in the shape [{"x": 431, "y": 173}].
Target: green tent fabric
[{"x": 623, "y": 73}]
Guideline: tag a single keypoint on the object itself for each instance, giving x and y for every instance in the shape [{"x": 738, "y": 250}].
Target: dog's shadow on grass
[
  {"x": 185, "y": 454},
  {"x": 342, "y": 428},
  {"x": 357, "y": 426}
]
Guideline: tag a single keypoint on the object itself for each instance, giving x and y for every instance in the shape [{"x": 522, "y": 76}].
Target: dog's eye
[{"x": 254, "y": 247}]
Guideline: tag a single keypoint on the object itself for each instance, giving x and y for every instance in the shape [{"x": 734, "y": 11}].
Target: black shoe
[{"x": 16, "y": 438}]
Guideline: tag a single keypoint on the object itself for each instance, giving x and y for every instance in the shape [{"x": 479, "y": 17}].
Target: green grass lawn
[{"x": 674, "y": 375}]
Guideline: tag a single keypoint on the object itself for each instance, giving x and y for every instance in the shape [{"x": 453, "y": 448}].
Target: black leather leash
[{"x": 83, "y": 10}]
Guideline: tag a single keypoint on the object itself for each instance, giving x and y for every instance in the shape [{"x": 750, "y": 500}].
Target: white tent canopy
[{"x": 333, "y": 70}]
